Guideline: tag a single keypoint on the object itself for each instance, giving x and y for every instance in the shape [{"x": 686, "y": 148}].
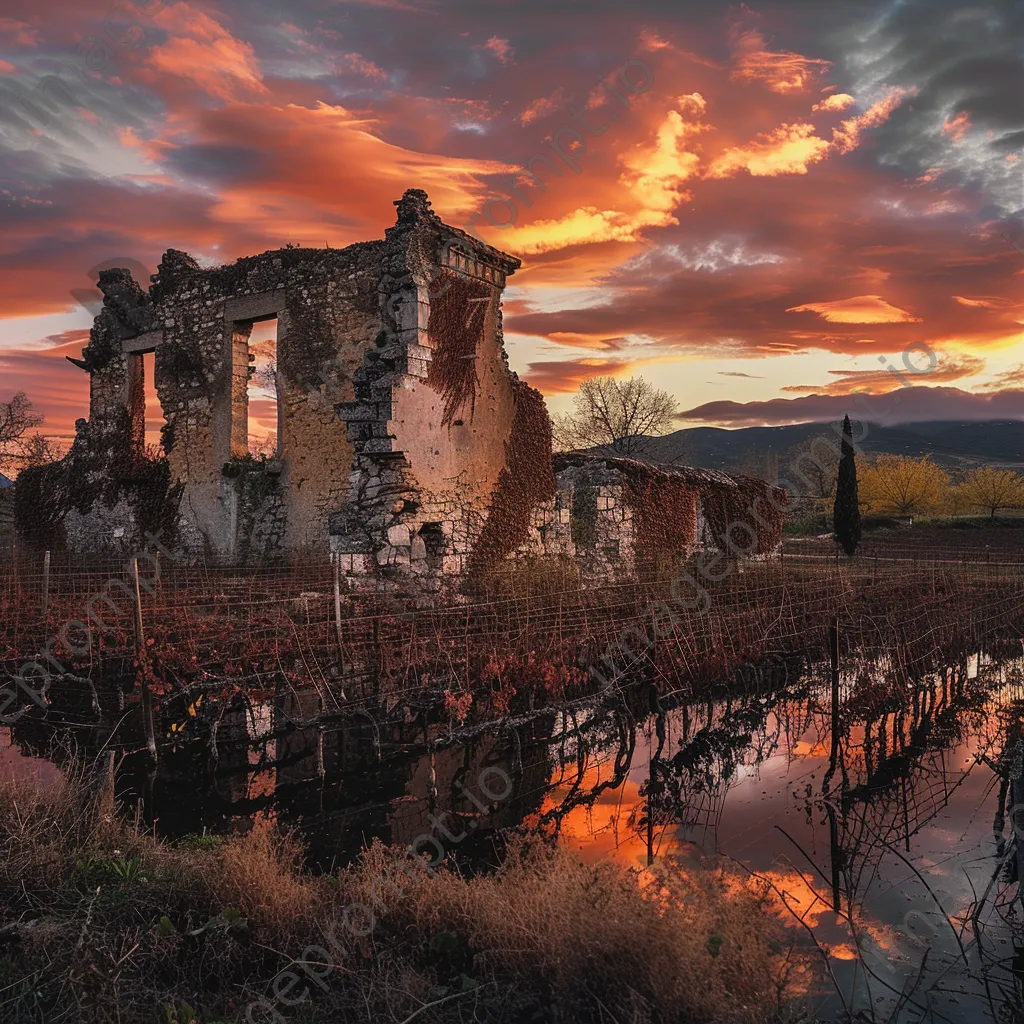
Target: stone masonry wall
[
  {"x": 322, "y": 299},
  {"x": 616, "y": 515},
  {"x": 428, "y": 455},
  {"x": 395, "y": 403}
]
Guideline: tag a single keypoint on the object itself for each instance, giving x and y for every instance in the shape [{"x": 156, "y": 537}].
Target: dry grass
[
  {"x": 102, "y": 923},
  {"x": 671, "y": 946}
]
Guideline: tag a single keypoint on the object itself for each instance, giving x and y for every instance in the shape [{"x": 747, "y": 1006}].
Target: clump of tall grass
[{"x": 100, "y": 921}]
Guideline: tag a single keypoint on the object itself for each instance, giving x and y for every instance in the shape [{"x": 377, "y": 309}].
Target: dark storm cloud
[
  {"x": 218, "y": 162},
  {"x": 962, "y": 59}
]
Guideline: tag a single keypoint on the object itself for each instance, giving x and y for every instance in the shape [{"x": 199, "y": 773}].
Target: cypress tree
[{"x": 846, "y": 513}]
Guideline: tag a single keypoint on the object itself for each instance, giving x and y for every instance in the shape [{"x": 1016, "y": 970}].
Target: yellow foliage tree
[
  {"x": 991, "y": 489},
  {"x": 899, "y": 485}
]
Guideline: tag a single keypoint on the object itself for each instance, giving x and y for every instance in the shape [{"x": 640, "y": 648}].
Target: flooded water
[{"x": 880, "y": 821}]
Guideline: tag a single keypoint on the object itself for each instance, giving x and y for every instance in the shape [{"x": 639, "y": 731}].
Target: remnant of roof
[{"x": 634, "y": 467}]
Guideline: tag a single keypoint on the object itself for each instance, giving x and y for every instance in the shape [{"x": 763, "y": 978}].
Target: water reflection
[{"x": 877, "y": 809}]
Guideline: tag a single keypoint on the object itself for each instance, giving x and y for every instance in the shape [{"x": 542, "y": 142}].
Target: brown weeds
[{"x": 100, "y": 922}]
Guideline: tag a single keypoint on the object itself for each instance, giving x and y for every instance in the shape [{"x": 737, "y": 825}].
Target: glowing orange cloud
[
  {"x": 993, "y": 302},
  {"x": 846, "y": 138},
  {"x": 780, "y": 72},
  {"x": 957, "y": 127},
  {"x": 792, "y": 148},
  {"x": 838, "y": 101},
  {"x": 203, "y": 52},
  {"x": 789, "y": 149},
  {"x": 655, "y": 173},
  {"x": 861, "y": 309},
  {"x": 543, "y": 106},
  {"x": 882, "y": 381},
  {"x": 290, "y": 192},
  {"x": 654, "y": 177},
  {"x": 564, "y": 377}
]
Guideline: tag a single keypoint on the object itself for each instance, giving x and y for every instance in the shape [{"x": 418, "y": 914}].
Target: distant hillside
[{"x": 749, "y": 449}]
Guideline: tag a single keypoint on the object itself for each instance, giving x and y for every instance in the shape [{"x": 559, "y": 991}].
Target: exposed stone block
[{"x": 399, "y": 535}]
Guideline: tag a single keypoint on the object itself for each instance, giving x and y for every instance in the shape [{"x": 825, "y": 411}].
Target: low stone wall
[{"x": 616, "y": 516}]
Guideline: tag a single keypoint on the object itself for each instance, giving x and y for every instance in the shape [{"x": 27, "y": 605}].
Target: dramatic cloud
[
  {"x": 204, "y": 52},
  {"x": 781, "y": 72},
  {"x": 360, "y": 65},
  {"x": 544, "y": 106},
  {"x": 838, "y": 101},
  {"x": 789, "y": 149},
  {"x": 58, "y": 390},
  {"x": 557, "y": 377},
  {"x": 501, "y": 48},
  {"x": 861, "y": 309},
  {"x": 813, "y": 185},
  {"x": 942, "y": 368},
  {"x": 847, "y": 137}
]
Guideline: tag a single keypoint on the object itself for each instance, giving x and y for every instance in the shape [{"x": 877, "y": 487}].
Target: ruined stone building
[
  {"x": 612, "y": 514},
  {"x": 405, "y": 445}
]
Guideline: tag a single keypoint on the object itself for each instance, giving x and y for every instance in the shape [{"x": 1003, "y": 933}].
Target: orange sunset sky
[{"x": 798, "y": 192}]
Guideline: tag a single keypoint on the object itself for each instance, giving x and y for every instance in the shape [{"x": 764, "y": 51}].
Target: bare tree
[
  {"x": 17, "y": 418},
  {"x": 614, "y": 414},
  {"x": 815, "y": 463},
  {"x": 38, "y": 450},
  {"x": 263, "y": 372}
]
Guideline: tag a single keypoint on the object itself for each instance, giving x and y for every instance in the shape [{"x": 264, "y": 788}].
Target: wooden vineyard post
[
  {"x": 834, "y": 660},
  {"x": 337, "y": 599},
  {"x": 46, "y": 584},
  {"x": 335, "y": 561},
  {"x": 16, "y": 589},
  {"x": 650, "y": 820},
  {"x": 140, "y": 657}
]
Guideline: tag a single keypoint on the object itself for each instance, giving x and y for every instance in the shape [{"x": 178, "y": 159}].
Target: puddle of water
[{"x": 879, "y": 838}]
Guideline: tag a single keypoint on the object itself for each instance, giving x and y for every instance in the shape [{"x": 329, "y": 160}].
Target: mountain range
[{"x": 951, "y": 444}]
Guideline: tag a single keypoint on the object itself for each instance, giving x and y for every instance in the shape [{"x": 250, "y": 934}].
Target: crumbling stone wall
[
  {"x": 385, "y": 457},
  {"x": 322, "y": 300},
  {"x": 108, "y": 491},
  {"x": 434, "y": 406}
]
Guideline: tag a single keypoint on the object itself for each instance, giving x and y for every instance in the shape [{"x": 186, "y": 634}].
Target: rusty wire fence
[{"x": 297, "y": 624}]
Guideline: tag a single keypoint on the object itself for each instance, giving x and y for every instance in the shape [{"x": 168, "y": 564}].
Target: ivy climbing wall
[{"x": 618, "y": 515}]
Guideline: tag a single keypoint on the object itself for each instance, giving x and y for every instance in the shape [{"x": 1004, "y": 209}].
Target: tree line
[{"x": 899, "y": 485}]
